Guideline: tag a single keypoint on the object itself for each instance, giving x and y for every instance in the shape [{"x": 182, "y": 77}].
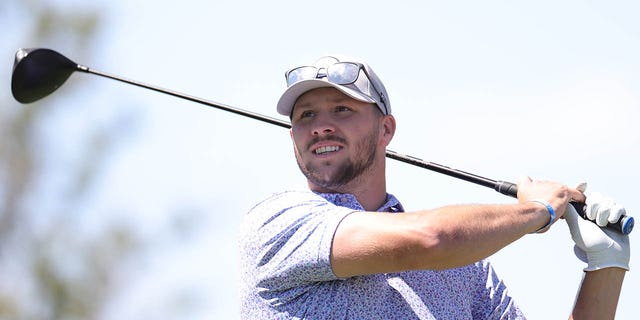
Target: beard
[{"x": 345, "y": 172}]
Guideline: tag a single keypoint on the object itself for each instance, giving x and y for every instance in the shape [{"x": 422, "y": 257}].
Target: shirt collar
[{"x": 348, "y": 200}]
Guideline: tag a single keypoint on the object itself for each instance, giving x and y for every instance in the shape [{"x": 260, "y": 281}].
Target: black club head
[{"x": 39, "y": 72}]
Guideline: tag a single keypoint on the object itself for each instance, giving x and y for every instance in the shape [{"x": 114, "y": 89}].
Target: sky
[{"x": 498, "y": 88}]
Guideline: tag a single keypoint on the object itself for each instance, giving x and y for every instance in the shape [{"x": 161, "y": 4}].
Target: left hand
[
  {"x": 598, "y": 247},
  {"x": 603, "y": 210}
]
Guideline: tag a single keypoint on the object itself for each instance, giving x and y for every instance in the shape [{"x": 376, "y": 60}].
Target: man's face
[{"x": 336, "y": 137}]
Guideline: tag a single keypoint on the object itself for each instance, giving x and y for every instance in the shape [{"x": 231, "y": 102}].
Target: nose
[{"x": 323, "y": 126}]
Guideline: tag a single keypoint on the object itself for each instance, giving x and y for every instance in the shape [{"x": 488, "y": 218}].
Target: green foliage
[{"x": 48, "y": 269}]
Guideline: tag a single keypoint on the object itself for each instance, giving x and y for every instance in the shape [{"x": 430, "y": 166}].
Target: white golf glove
[{"x": 598, "y": 247}]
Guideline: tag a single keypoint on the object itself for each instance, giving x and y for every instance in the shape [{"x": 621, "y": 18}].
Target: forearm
[
  {"x": 443, "y": 238},
  {"x": 464, "y": 234},
  {"x": 598, "y": 294}
]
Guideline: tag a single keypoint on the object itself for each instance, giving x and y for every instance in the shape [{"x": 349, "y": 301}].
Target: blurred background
[{"x": 121, "y": 203}]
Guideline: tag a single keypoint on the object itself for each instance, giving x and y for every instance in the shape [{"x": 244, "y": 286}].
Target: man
[{"x": 346, "y": 250}]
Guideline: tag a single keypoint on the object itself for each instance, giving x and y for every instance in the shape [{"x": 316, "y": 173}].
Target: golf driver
[{"x": 39, "y": 72}]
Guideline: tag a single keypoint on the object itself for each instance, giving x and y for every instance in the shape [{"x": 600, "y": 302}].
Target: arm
[
  {"x": 598, "y": 294},
  {"x": 374, "y": 242},
  {"x": 447, "y": 237}
]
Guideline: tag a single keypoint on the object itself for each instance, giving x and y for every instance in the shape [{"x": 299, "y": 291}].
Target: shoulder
[
  {"x": 286, "y": 200},
  {"x": 293, "y": 196},
  {"x": 292, "y": 207}
]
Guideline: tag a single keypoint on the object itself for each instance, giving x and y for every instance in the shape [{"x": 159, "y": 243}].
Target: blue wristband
[{"x": 552, "y": 214}]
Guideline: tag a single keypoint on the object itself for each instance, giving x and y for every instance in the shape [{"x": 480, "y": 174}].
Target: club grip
[{"x": 624, "y": 225}]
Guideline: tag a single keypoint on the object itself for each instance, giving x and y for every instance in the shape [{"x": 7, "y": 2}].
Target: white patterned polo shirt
[{"x": 285, "y": 271}]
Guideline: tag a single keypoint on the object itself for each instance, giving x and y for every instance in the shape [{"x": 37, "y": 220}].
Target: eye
[
  {"x": 342, "y": 109},
  {"x": 307, "y": 114},
  {"x": 304, "y": 115}
]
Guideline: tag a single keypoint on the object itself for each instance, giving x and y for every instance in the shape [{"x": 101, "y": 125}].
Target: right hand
[{"x": 556, "y": 194}]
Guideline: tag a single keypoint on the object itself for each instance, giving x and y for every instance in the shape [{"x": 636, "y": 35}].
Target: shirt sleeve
[{"x": 287, "y": 240}]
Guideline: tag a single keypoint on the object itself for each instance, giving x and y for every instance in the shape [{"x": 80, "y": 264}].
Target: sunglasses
[{"x": 342, "y": 73}]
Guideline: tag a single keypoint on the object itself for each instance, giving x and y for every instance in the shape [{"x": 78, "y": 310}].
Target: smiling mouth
[{"x": 326, "y": 149}]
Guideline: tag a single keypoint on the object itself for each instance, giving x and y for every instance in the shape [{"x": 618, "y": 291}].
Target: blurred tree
[{"x": 49, "y": 270}]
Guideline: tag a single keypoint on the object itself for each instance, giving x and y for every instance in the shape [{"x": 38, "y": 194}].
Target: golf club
[{"x": 38, "y": 72}]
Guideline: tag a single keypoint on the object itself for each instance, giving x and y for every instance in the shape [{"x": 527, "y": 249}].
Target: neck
[{"x": 369, "y": 189}]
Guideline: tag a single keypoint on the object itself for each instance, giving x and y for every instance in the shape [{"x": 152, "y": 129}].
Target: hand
[
  {"x": 556, "y": 194},
  {"x": 603, "y": 210},
  {"x": 598, "y": 247}
]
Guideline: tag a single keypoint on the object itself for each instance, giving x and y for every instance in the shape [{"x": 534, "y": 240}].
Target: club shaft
[
  {"x": 217, "y": 105},
  {"x": 390, "y": 154},
  {"x": 624, "y": 224}
]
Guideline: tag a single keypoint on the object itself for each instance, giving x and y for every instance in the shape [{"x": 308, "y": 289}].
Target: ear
[{"x": 388, "y": 129}]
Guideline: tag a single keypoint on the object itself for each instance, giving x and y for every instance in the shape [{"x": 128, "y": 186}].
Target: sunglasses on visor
[{"x": 342, "y": 73}]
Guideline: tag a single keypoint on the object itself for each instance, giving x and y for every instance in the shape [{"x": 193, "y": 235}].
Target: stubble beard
[{"x": 345, "y": 172}]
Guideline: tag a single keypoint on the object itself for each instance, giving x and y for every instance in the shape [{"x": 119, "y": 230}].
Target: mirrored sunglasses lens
[
  {"x": 343, "y": 73},
  {"x": 301, "y": 73}
]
